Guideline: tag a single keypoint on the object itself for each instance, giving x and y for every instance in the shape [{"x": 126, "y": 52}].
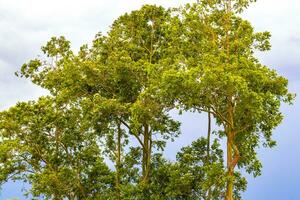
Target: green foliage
[
  {"x": 111, "y": 101},
  {"x": 49, "y": 146},
  {"x": 193, "y": 175},
  {"x": 218, "y": 73}
]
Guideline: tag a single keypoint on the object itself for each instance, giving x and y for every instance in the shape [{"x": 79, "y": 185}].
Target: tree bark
[
  {"x": 230, "y": 126},
  {"x": 118, "y": 162},
  {"x": 230, "y": 168},
  {"x": 208, "y": 149},
  {"x": 146, "y": 155},
  {"x": 232, "y": 151},
  {"x": 146, "y": 162}
]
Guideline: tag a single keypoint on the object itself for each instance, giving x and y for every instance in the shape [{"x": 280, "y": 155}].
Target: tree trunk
[
  {"x": 146, "y": 155},
  {"x": 230, "y": 114},
  {"x": 208, "y": 149},
  {"x": 230, "y": 169},
  {"x": 146, "y": 162},
  {"x": 118, "y": 162},
  {"x": 232, "y": 151}
]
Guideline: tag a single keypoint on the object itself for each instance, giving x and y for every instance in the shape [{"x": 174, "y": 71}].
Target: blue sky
[{"x": 26, "y": 25}]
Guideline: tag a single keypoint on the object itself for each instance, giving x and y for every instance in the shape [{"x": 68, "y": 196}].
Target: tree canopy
[{"x": 101, "y": 132}]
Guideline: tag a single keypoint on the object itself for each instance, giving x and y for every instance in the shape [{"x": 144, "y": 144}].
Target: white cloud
[
  {"x": 26, "y": 25},
  {"x": 282, "y": 19}
]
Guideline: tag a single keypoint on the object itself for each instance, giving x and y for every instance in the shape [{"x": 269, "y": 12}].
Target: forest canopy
[{"x": 102, "y": 130}]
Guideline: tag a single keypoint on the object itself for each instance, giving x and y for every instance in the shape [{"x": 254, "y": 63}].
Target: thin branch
[{"x": 131, "y": 133}]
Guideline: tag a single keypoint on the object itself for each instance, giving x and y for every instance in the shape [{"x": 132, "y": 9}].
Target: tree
[
  {"x": 50, "y": 146},
  {"x": 140, "y": 37},
  {"x": 112, "y": 78},
  {"x": 218, "y": 73},
  {"x": 197, "y": 58}
]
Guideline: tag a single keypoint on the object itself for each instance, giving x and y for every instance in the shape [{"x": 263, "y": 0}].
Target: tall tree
[
  {"x": 117, "y": 70},
  {"x": 139, "y": 38},
  {"x": 217, "y": 72}
]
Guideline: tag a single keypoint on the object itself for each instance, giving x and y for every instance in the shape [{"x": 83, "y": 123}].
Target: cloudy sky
[{"x": 26, "y": 25}]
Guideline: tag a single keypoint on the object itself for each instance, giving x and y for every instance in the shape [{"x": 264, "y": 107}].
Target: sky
[{"x": 27, "y": 25}]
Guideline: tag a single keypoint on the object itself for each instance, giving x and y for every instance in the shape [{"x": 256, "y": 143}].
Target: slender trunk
[
  {"x": 232, "y": 154},
  {"x": 146, "y": 155},
  {"x": 230, "y": 126},
  {"x": 230, "y": 169},
  {"x": 146, "y": 162},
  {"x": 208, "y": 137},
  {"x": 118, "y": 162},
  {"x": 208, "y": 149}
]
